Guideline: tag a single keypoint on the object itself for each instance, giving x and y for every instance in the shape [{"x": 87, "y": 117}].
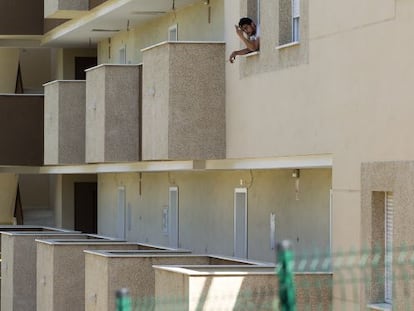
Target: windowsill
[
  {"x": 287, "y": 45},
  {"x": 380, "y": 306},
  {"x": 251, "y": 54}
]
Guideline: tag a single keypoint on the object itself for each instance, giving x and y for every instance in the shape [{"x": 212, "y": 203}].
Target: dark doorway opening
[
  {"x": 81, "y": 64},
  {"x": 86, "y": 207}
]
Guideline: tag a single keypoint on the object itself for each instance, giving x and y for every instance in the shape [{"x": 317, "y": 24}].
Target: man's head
[{"x": 247, "y": 25}]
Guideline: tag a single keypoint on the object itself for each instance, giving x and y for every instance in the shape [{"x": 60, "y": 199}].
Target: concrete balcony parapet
[
  {"x": 64, "y": 128},
  {"x": 183, "y": 105},
  {"x": 65, "y": 8},
  {"x": 113, "y": 113}
]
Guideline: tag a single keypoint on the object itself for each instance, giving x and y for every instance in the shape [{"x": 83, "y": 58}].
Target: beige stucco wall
[
  {"x": 352, "y": 98},
  {"x": 65, "y": 207},
  {"x": 65, "y": 61},
  {"x": 9, "y": 59},
  {"x": 206, "y": 209},
  {"x": 63, "y": 197},
  {"x": 8, "y": 187},
  {"x": 34, "y": 191},
  {"x": 36, "y": 68},
  {"x": 193, "y": 25}
]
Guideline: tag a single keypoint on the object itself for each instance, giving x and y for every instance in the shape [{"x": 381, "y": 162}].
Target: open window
[
  {"x": 253, "y": 11},
  {"x": 289, "y": 22}
]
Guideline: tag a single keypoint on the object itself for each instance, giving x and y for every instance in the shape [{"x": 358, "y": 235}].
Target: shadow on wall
[{"x": 40, "y": 217}]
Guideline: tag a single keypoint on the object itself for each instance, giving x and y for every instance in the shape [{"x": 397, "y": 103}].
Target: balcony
[
  {"x": 21, "y": 17},
  {"x": 64, "y": 122},
  {"x": 21, "y": 129},
  {"x": 113, "y": 102},
  {"x": 183, "y": 105},
  {"x": 65, "y": 9}
]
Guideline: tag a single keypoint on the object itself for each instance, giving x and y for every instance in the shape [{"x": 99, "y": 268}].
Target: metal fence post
[
  {"x": 287, "y": 291},
  {"x": 123, "y": 300}
]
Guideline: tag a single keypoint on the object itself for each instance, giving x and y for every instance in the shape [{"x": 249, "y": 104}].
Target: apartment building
[{"x": 162, "y": 140}]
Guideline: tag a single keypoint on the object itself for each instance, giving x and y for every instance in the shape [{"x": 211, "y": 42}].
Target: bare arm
[
  {"x": 239, "y": 52},
  {"x": 252, "y": 45}
]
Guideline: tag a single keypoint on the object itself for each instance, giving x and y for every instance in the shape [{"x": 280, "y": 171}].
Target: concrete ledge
[
  {"x": 234, "y": 287},
  {"x": 61, "y": 270},
  {"x": 380, "y": 306},
  {"x": 18, "y": 266},
  {"x": 107, "y": 271}
]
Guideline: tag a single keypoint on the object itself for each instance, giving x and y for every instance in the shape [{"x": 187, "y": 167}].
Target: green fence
[{"x": 364, "y": 279}]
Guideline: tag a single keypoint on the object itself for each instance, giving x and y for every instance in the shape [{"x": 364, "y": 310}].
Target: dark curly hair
[{"x": 245, "y": 21}]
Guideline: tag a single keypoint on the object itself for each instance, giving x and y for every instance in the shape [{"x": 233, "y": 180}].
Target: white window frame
[
  {"x": 121, "y": 213},
  {"x": 173, "y": 29},
  {"x": 235, "y": 224},
  {"x": 258, "y": 14},
  {"x": 122, "y": 55},
  {"x": 295, "y": 21},
  {"x": 173, "y": 217}
]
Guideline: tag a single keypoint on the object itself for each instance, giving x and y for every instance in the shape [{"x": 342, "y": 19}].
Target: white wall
[{"x": 206, "y": 208}]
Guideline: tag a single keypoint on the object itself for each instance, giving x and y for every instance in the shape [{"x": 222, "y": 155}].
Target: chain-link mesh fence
[{"x": 365, "y": 279}]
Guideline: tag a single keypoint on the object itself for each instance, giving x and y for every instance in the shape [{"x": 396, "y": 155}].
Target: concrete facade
[
  {"x": 206, "y": 209},
  {"x": 234, "y": 287},
  {"x": 105, "y": 272},
  {"x": 343, "y": 91},
  {"x": 18, "y": 265},
  {"x": 183, "y": 102},
  {"x": 64, "y": 9},
  {"x": 377, "y": 179},
  {"x": 61, "y": 271},
  {"x": 112, "y": 113},
  {"x": 65, "y": 127}
]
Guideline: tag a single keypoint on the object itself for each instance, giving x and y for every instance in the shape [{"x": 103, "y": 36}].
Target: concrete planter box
[
  {"x": 112, "y": 113},
  {"x": 105, "y": 272},
  {"x": 183, "y": 101},
  {"x": 235, "y": 288},
  {"x": 64, "y": 128},
  {"x": 33, "y": 229},
  {"x": 18, "y": 267},
  {"x": 61, "y": 271}
]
